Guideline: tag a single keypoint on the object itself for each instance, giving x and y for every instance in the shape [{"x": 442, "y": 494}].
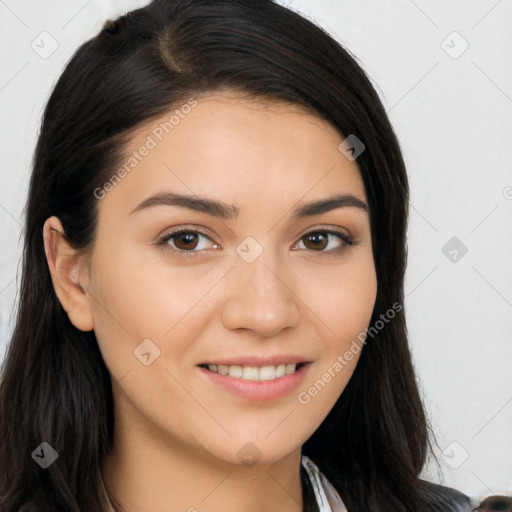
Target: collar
[{"x": 327, "y": 497}]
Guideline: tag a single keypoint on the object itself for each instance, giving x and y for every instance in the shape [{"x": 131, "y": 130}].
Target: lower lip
[{"x": 265, "y": 390}]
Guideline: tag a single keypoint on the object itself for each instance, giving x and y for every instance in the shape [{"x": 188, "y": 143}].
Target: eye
[
  {"x": 185, "y": 242},
  {"x": 319, "y": 239}
]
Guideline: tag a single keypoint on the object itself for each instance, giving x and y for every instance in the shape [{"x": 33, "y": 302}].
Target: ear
[{"x": 69, "y": 275}]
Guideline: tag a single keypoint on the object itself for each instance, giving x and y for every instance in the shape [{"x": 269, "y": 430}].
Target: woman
[{"x": 211, "y": 310}]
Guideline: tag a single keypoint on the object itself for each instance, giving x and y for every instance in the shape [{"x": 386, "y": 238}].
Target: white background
[{"x": 453, "y": 117}]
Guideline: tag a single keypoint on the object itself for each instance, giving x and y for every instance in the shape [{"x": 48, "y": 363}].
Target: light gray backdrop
[{"x": 443, "y": 72}]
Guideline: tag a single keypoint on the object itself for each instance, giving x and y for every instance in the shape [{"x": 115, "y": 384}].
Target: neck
[{"x": 151, "y": 472}]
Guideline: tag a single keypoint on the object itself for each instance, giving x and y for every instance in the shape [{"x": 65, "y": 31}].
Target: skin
[{"x": 177, "y": 434}]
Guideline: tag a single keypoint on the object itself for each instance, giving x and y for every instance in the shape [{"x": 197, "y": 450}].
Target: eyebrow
[{"x": 231, "y": 212}]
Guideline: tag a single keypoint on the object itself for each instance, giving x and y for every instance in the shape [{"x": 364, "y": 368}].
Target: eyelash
[{"x": 162, "y": 242}]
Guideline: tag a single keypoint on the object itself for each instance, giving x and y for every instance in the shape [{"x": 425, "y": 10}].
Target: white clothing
[{"x": 326, "y": 495}]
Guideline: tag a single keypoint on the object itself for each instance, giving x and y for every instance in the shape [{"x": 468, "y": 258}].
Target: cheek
[
  {"x": 346, "y": 309},
  {"x": 134, "y": 300},
  {"x": 345, "y": 304}
]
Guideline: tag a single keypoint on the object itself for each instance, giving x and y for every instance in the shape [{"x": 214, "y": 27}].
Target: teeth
[
  {"x": 280, "y": 370},
  {"x": 254, "y": 372},
  {"x": 290, "y": 368},
  {"x": 235, "y": 371},
  {"x": 266, "y": 373},
  {"x": 221, "y": 368}
]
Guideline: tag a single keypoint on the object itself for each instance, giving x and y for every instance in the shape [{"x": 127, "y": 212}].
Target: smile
[
  {"x": 260, "y": 383},
  {"x": 254, "y": 373}
]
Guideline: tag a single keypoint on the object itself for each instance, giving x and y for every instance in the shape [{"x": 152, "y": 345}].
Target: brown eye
[
  {"x": 320, "y": 239},
  {"x": 185, "y": 240}
]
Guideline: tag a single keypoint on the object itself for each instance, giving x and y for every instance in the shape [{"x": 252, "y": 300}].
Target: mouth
[
  {"x": 254, "y": 373},
  {"x": 257, "y": 380}
]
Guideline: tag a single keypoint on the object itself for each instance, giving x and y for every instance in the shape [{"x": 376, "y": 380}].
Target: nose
[{"x": 260, "y": 297}]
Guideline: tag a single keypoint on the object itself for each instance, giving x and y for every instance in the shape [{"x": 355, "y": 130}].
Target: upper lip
[{"x": 259, "y": 360}]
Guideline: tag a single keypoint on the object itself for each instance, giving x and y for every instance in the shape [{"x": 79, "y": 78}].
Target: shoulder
[{"x": 453, "y": 500}]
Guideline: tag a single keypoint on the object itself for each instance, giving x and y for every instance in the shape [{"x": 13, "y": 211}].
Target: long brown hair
[{"x": 55, "y": 386}]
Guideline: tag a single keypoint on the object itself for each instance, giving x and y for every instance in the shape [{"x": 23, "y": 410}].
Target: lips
[
  {"x": 254, "y": 373},
  {"x": 258, "y": 360},
  {"x": 244, "y": 383}
]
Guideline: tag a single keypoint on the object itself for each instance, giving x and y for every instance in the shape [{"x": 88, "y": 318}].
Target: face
[{"x": 251, "y": 286}]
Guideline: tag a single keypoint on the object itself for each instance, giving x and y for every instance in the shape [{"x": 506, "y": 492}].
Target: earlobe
[{"x": 66, "y": 267}]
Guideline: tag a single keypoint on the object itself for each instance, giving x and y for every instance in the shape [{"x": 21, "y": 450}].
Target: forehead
[
  {"x": 231, "y": 117},
  {"x": 239, "y": 149}
]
